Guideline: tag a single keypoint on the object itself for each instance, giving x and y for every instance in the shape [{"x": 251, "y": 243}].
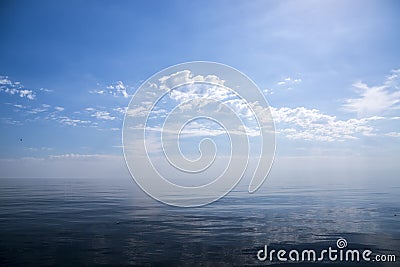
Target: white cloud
[
  {"x": 37, "y": 110},
  {"x": 45, "y": 90},
  {"x": 393, "y": 134},
  {"x": 186, "y": 77},
  {"x": 5, "y": 81},
  {"x": 193, "y": 129},
  {"x": 29, "y": 94},
  {"x": 99, "y": 92},
  {"x": 239, "y": 107},
  {"x": 191, "y": 91},
  {"x": 103, "y": 115},
  {"x": 140, "y": 111},
  {"x": 268, "y": 91},
  {"x": 204, "y": 94},
  {"x": 59, "y": 108},
  {"x": 376, "y": 99},
  {"x": 11, "y": 121},
  {"x": 203, "y": 129},
  {"x": 196, "y": 95},
  {"x": 312, "y": 124},
  {"x": 39, "y": 148},
  {"x": 78, "y": 156},
  {"x": 289, "y": 81},
  {"x": 393, "y": 78},
  {"x": 116, "y": 89},
  {"x": 42, "y": 108},
  {"x": 121, "y": 109},
  {"x": 15, "y": 88},
  {"x": 19, "y": 106},
  {"x": 100, "y": 114},
  {"x": 72, "y": 122}
]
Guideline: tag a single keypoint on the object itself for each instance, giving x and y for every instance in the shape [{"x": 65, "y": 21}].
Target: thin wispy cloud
[
  {"x": 19, "y": 106},
  {"x": 103, "y": 115},
  {"x": 78, "y": 156},
  {"x": 289, "y": 82},
  {"x": 121, "y": 110},
  {"x": 375, "y": 100},
  {"x": 33, "y": 111},
  {"x": 10, "y": 121},
  {"x": 43, "y": 148},
  {"x": 72, "y": 122},
  {"x": 393, "y": 134}
]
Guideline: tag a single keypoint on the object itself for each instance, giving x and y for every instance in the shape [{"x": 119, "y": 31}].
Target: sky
[{"x": 330, "y": 71}]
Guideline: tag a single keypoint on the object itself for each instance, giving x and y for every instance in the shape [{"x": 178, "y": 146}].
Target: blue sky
[{"x": 329, "y": 69}]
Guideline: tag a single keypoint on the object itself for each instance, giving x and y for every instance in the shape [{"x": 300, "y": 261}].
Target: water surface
[{"x": 73, "y": 222}]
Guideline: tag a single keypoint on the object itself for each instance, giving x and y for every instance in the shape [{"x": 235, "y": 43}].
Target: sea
[{"x": 111, "y": 222}]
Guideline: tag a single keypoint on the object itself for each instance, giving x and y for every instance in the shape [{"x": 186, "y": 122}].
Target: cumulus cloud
[
  {"x": 312, "y": 124},
  {"x": 196, "y": 95},
  {"x": 116, "y": 89},
  {"x": 204, "y": 94},
  {"x": 298, "y": 123},
  {"x": 15, "y": 88},
  {"x": 194, "y": 87},
  {"x": 374, "y": 100},
  {"x": 186, "y": 77}
]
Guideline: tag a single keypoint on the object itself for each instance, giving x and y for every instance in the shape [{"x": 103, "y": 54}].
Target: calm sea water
[{"x": 72, "y": 222}]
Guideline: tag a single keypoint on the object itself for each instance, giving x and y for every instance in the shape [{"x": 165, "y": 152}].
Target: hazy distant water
[{"x": 108, "y": 222}]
